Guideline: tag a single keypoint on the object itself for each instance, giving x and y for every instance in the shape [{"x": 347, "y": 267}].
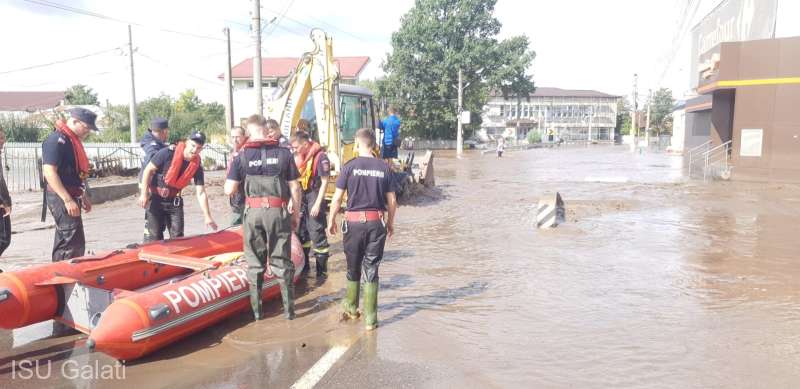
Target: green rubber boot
[
  {"x": 350, "y": 302},
  {"x": 287, "y": 297},
  {"x": 256, "y": 284},
  {"x": 371, "y": 305}
]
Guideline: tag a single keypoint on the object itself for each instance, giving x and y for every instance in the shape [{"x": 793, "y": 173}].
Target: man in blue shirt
[{"x": 391, "y": 135}]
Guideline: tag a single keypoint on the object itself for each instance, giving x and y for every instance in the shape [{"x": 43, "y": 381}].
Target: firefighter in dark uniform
[
  {"x": 270, "y": 180},
  {"x": 238, "y": 139},
  {"x": 167, "y": 173},
  {"x": 65, "y": 167},
  {"x": 154, "y": 140},
  {"x": 370, "y": 193},
  {"x": 314, "y": 168}
]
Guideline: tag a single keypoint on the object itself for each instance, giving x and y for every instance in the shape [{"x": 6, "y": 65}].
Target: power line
[
  {"x": 67, "y": 8},
  {"x": 51, "y": 82},
  {"x": 59, "y": 62},
  {"x": 176, "y": 70},
  {"x": 280, "y": 18},
  {"x": 334, "y": 27}
]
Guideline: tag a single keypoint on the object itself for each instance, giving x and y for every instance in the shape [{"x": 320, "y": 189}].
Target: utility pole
[
  {"x": 228, "y": 85},
  {"x": 459, "y": 135},
  {"x": 132, "y": 109},
  {"x": 257, "y": 59},
  {"x": 634, "y": 126},
  {"x": 647, "y": 122}
]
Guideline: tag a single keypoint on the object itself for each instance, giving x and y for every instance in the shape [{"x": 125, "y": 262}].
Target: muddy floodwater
[{"x": 653, "y": 281}]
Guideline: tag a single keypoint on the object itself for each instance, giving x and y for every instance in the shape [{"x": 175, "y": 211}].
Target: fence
[{"x": 22, "y": 172}]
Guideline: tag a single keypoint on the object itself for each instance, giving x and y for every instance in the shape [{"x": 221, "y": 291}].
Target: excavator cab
[{"x": 355, "y": 110}]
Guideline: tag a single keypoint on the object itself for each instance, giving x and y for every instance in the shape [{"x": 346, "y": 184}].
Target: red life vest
[
  {"x": 173, "y": 178},
  {"x": 257, "y": 144}
]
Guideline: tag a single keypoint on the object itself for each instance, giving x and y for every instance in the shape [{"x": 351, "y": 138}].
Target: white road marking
[{"x": 316, "y": 372}]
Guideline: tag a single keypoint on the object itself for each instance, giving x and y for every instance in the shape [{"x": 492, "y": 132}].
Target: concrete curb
[{"x": 111, "y": 192}]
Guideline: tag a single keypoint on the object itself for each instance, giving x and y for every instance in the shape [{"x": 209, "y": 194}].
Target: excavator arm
[{"x": 316, "y": 74}]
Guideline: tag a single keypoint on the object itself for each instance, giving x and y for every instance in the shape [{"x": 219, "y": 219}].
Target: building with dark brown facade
[{"x": 753, "y": 89}]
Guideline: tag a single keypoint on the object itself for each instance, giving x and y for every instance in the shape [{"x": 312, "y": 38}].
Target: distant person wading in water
[{"x": 501, "y": 146}]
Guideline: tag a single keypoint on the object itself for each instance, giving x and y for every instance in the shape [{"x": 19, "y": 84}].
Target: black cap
[
  {"x": 159, "y": 124},
  {"x": 198, "y": 137},
  {"x": 85, "y": 116}
]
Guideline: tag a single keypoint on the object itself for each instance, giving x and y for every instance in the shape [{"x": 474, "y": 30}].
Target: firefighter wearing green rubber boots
[
  {"x": 270, "y": 178},
  {"x": 370, "y": 193}
]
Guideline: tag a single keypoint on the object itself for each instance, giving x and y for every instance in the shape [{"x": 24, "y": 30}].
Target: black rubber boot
[
  {"x": 322, "y": 265},
  {"x": 307, "y": 256},
  {"x": 287, "y": 295}
]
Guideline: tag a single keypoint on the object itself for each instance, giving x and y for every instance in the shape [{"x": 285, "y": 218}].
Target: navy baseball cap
[
  {"x": 86, "y": 116},
  {"x": 159, "y": 124},
  {"x": 198, "y": 137}
]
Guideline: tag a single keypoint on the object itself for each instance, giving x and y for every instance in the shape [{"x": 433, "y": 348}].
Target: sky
[{"x": 580, "y": 44}]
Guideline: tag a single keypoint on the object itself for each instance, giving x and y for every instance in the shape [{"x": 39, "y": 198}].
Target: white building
[
  {"x": 571, "y": 115},
  {"x": 274, "y": 72}
]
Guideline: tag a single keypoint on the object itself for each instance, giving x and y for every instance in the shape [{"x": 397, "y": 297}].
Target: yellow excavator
[{"x": 336, "y": 111}]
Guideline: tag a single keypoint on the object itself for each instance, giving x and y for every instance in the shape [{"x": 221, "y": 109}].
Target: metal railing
[
  {"x": 696, "y": 154},
  {"x": 716, "y": 162},
  {"x": 21, "y": 161}
]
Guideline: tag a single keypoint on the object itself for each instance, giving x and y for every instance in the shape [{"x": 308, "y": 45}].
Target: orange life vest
[{"x": 174, "y": 178}]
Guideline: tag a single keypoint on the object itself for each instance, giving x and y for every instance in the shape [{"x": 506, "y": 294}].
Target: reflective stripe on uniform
[{"x": 321, "y": 250}]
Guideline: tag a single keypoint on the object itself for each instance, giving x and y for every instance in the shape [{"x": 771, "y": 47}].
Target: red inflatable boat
[{"x": 134, "y": 301}]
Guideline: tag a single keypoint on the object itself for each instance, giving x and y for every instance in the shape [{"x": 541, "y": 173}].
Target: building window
[
  {"x": 264, "y": 84},
  {"x": 502, "y": 111}
]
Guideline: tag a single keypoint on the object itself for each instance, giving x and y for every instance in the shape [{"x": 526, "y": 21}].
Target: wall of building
[
  {"x": 698, "y": 128},
  {"x": 570, "y": 117},
  {"x": 768, "y": 109},
  {"x": 677, "y": 140}
]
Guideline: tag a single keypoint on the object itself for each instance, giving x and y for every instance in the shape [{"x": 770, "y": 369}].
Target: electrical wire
[
  {"x": 280, "y": 18},
  {"x": 46, "y": 3},
  {"x": 218, "y": 83},
  {"x": 60, "y": 61},
  {"x": 61, "y": 80}
]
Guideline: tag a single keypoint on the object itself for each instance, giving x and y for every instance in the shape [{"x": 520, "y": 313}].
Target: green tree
[
  {"x": 80, "y": 95},
  {"x": 188, "y": 102},
  {"x": 116, "y": 122},
  {"x": 437, "y": 38},
  {"x": 661, "y": 111},
  {"x": 31, "y": 128},
  {"x": 623, "y": 117},
  {"x": 186, "y": 114},
  {"x": 512, "y": 79}
]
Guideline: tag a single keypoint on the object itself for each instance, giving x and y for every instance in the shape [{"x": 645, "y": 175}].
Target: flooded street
[{"x": 654, "y": 281}]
